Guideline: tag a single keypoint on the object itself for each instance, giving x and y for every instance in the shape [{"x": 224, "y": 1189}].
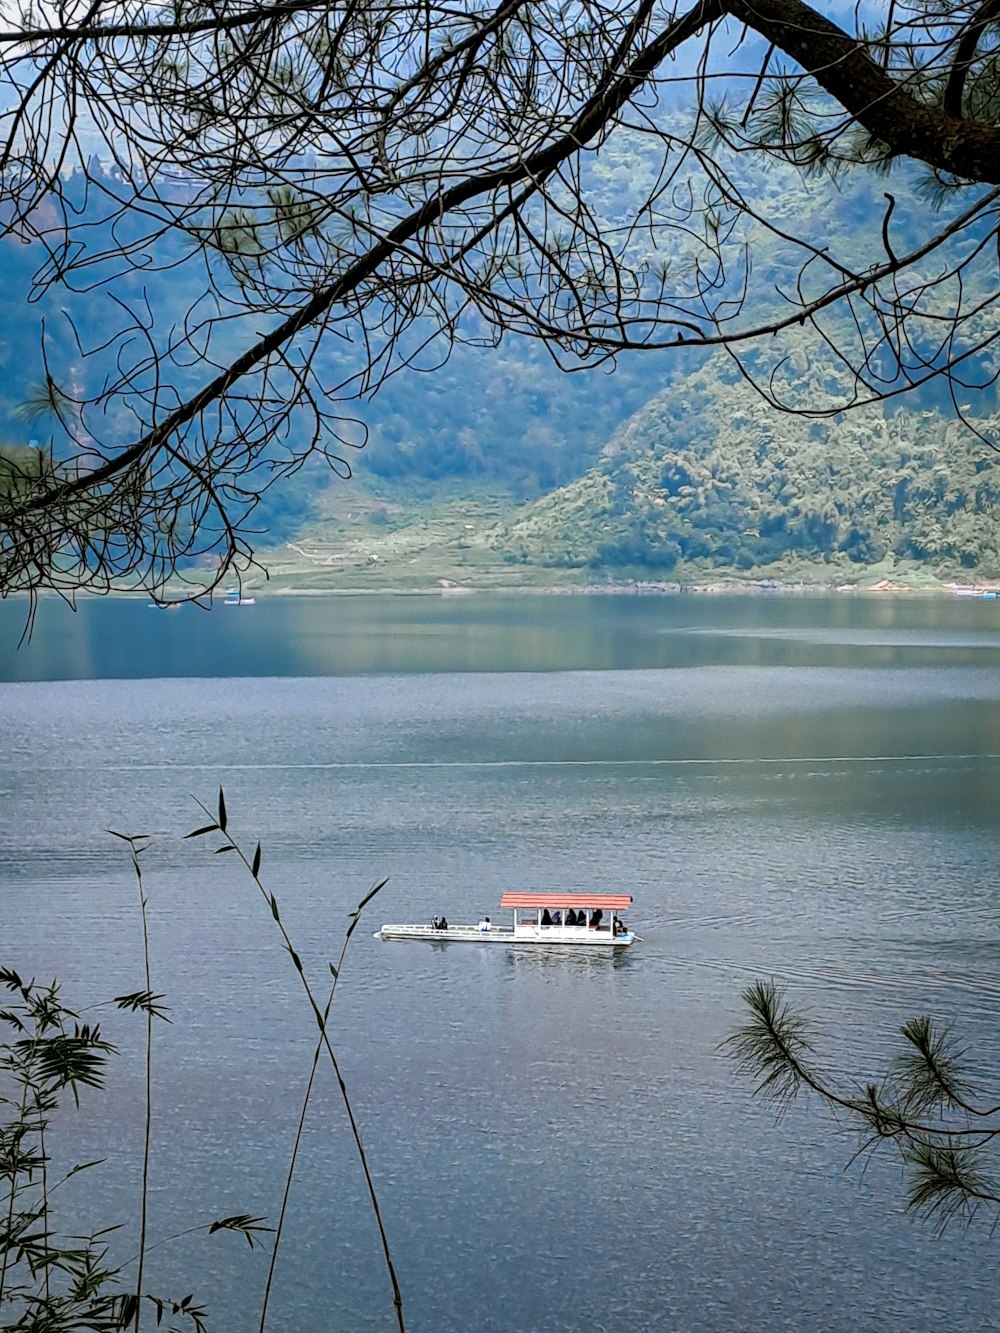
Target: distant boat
[
  {"x": 235, "y": 598},
  {"x": 541, "y": 919},
  {"x": 987, "y": 594}
]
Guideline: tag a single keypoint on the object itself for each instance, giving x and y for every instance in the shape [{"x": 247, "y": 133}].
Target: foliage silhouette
[{"x": 925, "y": 1109}]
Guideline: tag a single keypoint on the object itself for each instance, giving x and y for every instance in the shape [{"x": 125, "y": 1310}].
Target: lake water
[{"x": 802, "y": 789}]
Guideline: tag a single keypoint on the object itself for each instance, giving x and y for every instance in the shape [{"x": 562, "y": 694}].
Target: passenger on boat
[
  {"x": 557, "y": 917},
  {"x": 571, "y": 917},
  {"x": 442, "y": 923},
  {"x": 484, "y": 923},
  {"x": 595, "y": 919},
  {"x": 546, "y": 917}
]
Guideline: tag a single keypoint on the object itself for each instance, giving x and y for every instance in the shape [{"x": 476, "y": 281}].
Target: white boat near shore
[{"x": 540, "y": 919}]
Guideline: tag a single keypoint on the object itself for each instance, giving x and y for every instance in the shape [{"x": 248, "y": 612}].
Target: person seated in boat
[
  {"x": 441, "y": 922},
  {"x": 595, "y": 918},
  {"x": 571, "y": 917},
  {"x": 484, "y": 923},
  {"x": 546, "y": 917}
]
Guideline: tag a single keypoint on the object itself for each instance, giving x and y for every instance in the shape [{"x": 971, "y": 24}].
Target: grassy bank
[{"x": 448, "y": 542}]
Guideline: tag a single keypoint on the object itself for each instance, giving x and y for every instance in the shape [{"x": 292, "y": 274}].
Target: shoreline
[
  {"x": 908, "y": 585},
  {"x": 722, "y": 587}
]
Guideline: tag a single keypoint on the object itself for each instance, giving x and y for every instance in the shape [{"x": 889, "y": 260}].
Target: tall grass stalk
[
  {"x": 136, "y": 845},
  {"x": 317, "y": 1053},
  {"x": 220, "y": 824},
  {"x": 48, "y": 1282}
]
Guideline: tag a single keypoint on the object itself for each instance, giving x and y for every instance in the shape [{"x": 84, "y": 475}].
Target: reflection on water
[
  {"x": 558, "y": 1143},
  {"x": 293, "y": 636},
  {"x": 584, "y": 962}
]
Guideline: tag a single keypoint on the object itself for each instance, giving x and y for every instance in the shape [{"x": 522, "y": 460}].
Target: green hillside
[
  {"x": 704, "y": 483},
  {"x": 707, "y": 479}
]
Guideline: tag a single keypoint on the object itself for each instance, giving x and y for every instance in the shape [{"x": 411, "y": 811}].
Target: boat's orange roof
[{"x": 613, "y": 902}]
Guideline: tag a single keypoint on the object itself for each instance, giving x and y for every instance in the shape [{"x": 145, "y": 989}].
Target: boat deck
[{"x": 495, "y": 934}]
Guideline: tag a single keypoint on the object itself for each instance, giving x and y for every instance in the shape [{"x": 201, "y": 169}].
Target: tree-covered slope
[
  {"x": 706, "y": 477},
  {"x": 505, "y": 416}
]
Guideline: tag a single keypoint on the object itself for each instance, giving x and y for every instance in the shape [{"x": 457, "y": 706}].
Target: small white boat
[
  {"x": 970, "y": 590},
  {"x": 543, "y": 918},
  {"x": 235, "y": 598}
]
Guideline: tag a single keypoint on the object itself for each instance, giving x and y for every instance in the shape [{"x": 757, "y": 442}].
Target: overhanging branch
[
  {"x": 535, "y": 168},
  {"x": 882, "y": 105}
]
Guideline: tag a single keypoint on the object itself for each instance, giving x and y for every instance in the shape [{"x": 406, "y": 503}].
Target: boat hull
[{"x": 533, "y": 936}]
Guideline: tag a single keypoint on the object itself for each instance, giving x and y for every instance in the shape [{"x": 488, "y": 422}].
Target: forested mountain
[
  {"x": 664, "y": 461},
  {"x": 706, "y": 477}
]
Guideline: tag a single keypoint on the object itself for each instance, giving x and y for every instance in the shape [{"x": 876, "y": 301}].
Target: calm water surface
[{"x": 803, "y": 789}]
